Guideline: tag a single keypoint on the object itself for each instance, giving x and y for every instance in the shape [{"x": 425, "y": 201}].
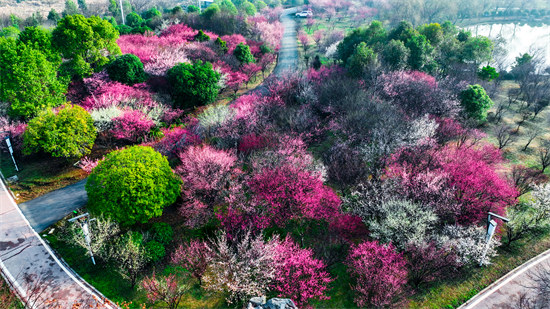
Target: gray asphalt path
[
  {"x": 505, "y": 293},
  {"x": 31, "y": 268},
  {"x": 49, "y": 208},
  {"x": 288, "y": 54}
]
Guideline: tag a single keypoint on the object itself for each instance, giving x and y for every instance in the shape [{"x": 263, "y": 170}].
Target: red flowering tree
[
  {"x": 299, "y": 275},
  {"x": 290, "y": 193},
  {"x": 379, "y": 273}
]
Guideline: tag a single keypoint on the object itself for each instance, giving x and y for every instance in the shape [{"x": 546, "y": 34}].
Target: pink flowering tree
[
  {"x": 299, "y": 276},
  {"x": 194, "y": 256},
  {"x": 304, "y": 39},
  {"x": 206, "y": 173},
  {"x": 168, "y": 289},
  {"x": 288, "y": 193},
  {"x": 132, "y": 125},
  {"x": 461, "y": 183},
  {"x": 250, "y": 70},
  {"x": 379, "y": 273}
]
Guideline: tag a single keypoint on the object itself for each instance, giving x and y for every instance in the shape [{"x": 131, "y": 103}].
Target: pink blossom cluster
[
  {"x": 132, "y": 125},
  {"x": 379, "y": 273},
  {"x": 461, "y": 183},
  {"x": 13, "y": 129}
]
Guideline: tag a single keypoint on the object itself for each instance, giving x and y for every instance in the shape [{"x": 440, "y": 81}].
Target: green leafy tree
[
  {"x": 68, "y": 133},
  {"x": 132, "y": 185},
  {"x": 374, "y": 35},
  {"x": 133, "y": 20},
  {"x": 113, "y": 8},
  {"x": 83, "y": 6},
  {"x": 488, "y": 73},
  {"x": 477, "y": 50},
  {"x": 192, "y": 9},
  {"x": 361, "y": 60},
  {"x": 193, "y": 84},
  {"x": 248, "y": 8},
  {"x": 403, "y": 32},
  {"x": 70, "y": 8},
  {"x": 419, "y": 51},
  {"x": 54, "y": 16},
  {"x": 152, "y": 13},
  {"x": 243, "y": 54},
  {"x": 395, "y": 55},
  {"x": 85, "y": 42},
  {"x": 475, "y": 102},
  {"x": 260, "y": 5},
  {"x": 433, "y": 33},
  {"x": 29, "y": 81},
  {"x": 176, "y": 10},
  {"x": 10, "y": 32},
  {"x": 226, "y": 6},
  {"x": 127, "y": 69},
  {"x": 212, "y": 10},
  {"x": 202, "y": 37},
  {"x": 40, "y": 39},
  {"x": 222, "y": 45},
  {"x": 15, "y": 21}
]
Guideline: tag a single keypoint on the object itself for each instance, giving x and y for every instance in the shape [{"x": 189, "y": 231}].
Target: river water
[{"x": 520, "y": 39}]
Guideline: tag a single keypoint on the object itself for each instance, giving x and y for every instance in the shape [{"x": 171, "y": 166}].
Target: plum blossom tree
[
  {"x": 242, "y": 268},
  {"x": 379, "y": 273},
  {"x": 193, "y": 256},
  {"x": 168, "y": 289},
  {"x": 299, "y": 275}
]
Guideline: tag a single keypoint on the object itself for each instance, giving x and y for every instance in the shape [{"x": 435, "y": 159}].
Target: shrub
[
  {"x": 193, "y": 84},
  {"x": 222, "y": 45},
  {"x": 201, "y": 37},
  {"x": 127, "y": 69},
  {"x": 132, "y": 185},
  {"x": 68, "y": 133},
  {"x": 155, "y": 251},
  {"x": 162, "y": 232},
  {"x": 243, "y": 54},
  {"x": 379, "y": 273},
  {"x": 476, "y": 102}
]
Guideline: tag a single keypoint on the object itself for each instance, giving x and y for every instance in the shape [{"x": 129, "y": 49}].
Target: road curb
[{"x": 501, "y": 281}]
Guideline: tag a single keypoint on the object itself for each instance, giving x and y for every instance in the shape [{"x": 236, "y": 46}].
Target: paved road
[
  {"x": 288, "y": 54},
  {"x": 37, "y": 275},
  {"x": 47, "y": 209},
  {"x": 504, "y": 293}
]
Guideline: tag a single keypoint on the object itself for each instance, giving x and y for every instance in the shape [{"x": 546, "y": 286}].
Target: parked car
[{"x": 304, "y": 14}]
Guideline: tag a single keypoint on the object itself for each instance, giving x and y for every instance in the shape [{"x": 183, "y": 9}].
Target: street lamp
[
  {"x": 10, "y": 148},
  {"x": 491, "y": 228},
  {"x": 121, "y": 12},
  {"x": 83, "y": 221}
]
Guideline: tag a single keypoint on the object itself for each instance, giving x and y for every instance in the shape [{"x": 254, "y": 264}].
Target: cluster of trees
[{"x": 434, "y": 48}]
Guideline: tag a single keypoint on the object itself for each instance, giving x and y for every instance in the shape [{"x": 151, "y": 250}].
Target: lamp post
[
  {"x": 10, "y": 148},
  {"x": 83, "y": 221},
  {"x": 491, "y": 228},
  {"x": 122, "y": 15}
]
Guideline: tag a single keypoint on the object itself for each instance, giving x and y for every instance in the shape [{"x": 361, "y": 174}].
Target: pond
[{"x": 519, "y": 39}]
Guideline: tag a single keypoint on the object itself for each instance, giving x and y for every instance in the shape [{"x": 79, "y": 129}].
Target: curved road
[
  {"x": 29, "y": 264},
  {"x": 505, "y": 292}
]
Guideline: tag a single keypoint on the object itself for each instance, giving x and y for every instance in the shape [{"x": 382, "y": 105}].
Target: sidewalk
[{"x": 29, "y": 265}]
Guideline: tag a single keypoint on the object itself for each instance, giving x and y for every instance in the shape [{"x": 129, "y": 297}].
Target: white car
[{"x": 304, "y": 14}]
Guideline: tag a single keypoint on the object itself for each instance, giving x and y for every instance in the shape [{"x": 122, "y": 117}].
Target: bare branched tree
[
  {"x": 544, "y": 155},
  {"x": 533, "y": 133},
  {"x": 504, "y": 135}
]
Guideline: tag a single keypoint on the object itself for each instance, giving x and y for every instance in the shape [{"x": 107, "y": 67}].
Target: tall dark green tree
[
  {"x": 475, "y": 102},
  {"x": 419, "y": 51},
  {"x": 193, "y": 84}
]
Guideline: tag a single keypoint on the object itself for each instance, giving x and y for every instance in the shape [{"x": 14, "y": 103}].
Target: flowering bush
[
  {"x": 131, "y": 125},
  {"x": 299, "y": 276},
  {"x": 176, "y": 140},
  {"x": 379, "y": 273},
  {"x": 194, "y": 256}
]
